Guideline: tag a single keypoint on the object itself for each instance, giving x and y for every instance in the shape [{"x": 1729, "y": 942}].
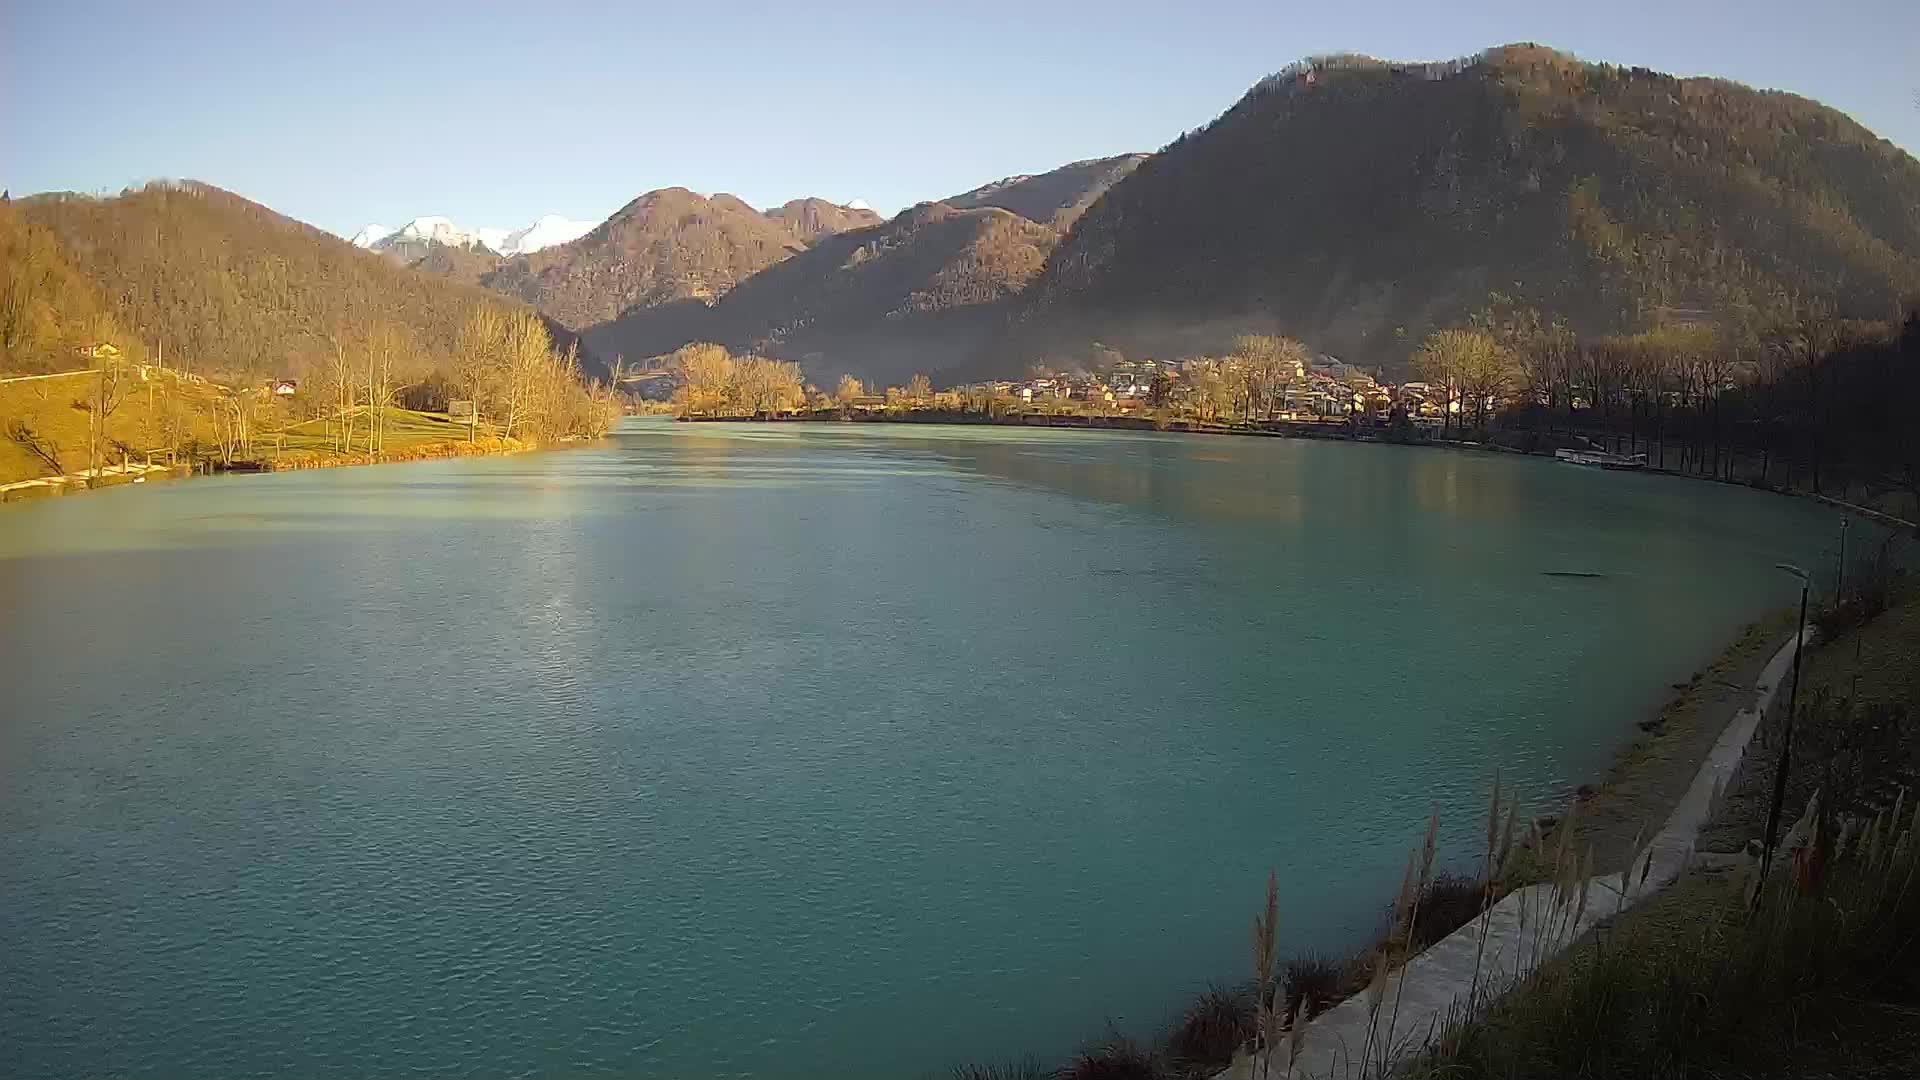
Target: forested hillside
[
  {"x": 1357, "y": 204},
  {"x": 919, "y": 293},
  {"x": 227, "y": 287},
  {"x": 48, "y": 309},
  {"x": 664, "y": 246},
  {"x": 227, "y": 296}
]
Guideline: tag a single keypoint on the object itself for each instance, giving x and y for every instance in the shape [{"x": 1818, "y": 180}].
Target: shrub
[
  {"x": 1742, "y": 988},
  {"x": 1449, "y": 902},
  {"x": 1866, "y": 594},
  {"x": 1314, "y": 984},
  {"x": 1218, "y": 1023},
  {"x": 1114, "y": 1058}
]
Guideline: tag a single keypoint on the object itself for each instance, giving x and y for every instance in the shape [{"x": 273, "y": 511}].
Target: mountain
[
  {"x": 810, "y": 219},
  {"x": 666, "y": 245},
  {"x": 1057, "y": 197},
  {"x": 919, "y": 293},
  {"x": 228, "y": 287},
  {"x": 412, "y": 240},
  {"x": 1358, "y": 204}
]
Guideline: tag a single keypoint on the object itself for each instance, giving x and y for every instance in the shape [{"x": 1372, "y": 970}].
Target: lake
[{"x": 789, "y": 750}]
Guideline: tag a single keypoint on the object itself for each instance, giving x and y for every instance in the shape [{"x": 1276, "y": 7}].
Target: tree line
[
  {"x": 1821, "y": 404},
  {"x": 714, "y": 382},
  {"x": 504, "y": 368}
]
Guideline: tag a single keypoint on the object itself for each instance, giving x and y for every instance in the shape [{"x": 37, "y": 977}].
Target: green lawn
[{"x": 405, "y": 433}]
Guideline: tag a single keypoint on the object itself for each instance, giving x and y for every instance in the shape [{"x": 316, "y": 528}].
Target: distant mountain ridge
[
  {"x": 663, "y": 247},
  {"x": 920, "y": 293},
  {"x": 659, "y": 272},
  {"x": 916, "y": 294},
  {"x": 413, "y": 238},
  {"x": 666, "y": 245}
]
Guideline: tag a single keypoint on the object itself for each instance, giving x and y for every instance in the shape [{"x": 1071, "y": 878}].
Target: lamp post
[
  {"x": 1840, "y": 563},
  {"x": 1786, "y": 740}
]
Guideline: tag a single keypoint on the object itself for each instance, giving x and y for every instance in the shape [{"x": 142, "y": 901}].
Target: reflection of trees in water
[{"x": 1279, "y": 482}]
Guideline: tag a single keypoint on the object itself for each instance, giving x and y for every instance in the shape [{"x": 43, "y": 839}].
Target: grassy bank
[
  {"x": 50, "y": 431},
  {"x": 47, "y": 424},
  {"x": 406, "y": 436}
]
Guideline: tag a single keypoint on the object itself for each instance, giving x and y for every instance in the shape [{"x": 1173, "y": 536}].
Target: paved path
[
  {"x": 1524, "y": 930},
  {"x": 130, "y": 469}
]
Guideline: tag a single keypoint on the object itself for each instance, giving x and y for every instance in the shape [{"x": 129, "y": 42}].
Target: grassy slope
[
  {"x": 407, "y": 434},
  {"x": 51, "y": 409},
  {"x": 47, "y": 406}
]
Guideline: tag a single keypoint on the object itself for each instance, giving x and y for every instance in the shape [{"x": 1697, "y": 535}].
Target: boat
[{"x": 1601, "y": 459}]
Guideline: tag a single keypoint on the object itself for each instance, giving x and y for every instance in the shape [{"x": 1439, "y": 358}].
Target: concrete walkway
[
  {"x": 1524, "y": 930},
  {"x": 82, "y": 479}
]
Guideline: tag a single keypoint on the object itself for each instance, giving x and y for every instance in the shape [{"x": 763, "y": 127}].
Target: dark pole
[
  {"x": 1840, "y": 564},
  {"x": 1786, "y": 748}
]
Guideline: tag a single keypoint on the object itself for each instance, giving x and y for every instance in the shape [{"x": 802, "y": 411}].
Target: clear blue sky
[{"x": 345, "y": 113}]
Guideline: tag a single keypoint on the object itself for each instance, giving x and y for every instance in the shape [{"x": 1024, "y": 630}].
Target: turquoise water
[{"x": 779, "y": 751}]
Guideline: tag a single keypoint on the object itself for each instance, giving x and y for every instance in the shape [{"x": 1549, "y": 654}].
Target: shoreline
[
  {"x": 297, "y": 461},
  {"x": 1662, "y": 790},
  {"x": 1479, "y": 963},
  {"x": 1649, "y": 774}
]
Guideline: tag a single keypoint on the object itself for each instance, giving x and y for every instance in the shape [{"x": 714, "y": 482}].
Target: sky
[{"x": 344, "y": 113}]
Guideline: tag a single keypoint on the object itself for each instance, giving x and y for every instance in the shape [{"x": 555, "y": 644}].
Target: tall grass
[
  {"x": 1214, "y": 1028},
  {"x": 1023, "y": 1069},
  {"x": 1116, "y": 1057},
  {"x": 1740, "y": 993},
  {"x": 1311, "y": 984}
]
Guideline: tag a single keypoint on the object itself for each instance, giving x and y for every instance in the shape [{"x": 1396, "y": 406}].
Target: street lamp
[{"x": 1786, "y": 740}]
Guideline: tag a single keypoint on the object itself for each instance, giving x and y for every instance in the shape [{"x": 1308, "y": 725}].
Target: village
[{"x": 1322, "y": 388}]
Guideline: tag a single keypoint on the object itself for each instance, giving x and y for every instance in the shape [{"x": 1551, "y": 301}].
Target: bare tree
[
  {"x": 337, "y": 394},
  {"x": 39, "y": 446},
  {"x": 479, "y": 358},
  {"x": 527, "y": 355},
  {"x": 847, "y": 392},
  {"x": 106, "y": 391}
]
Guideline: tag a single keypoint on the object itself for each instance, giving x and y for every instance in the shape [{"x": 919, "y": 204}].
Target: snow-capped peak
[
  {"x": 859, "y": 204},
  {"x": 370, "y": 235},
  {"x": 548, "y": 231},
  {"x": 437, "y": 229}
]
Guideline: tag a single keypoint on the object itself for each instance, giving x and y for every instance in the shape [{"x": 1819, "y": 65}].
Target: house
[
  {"x": 284, "y": 387},
  {"x": 99, "y": 351}
]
